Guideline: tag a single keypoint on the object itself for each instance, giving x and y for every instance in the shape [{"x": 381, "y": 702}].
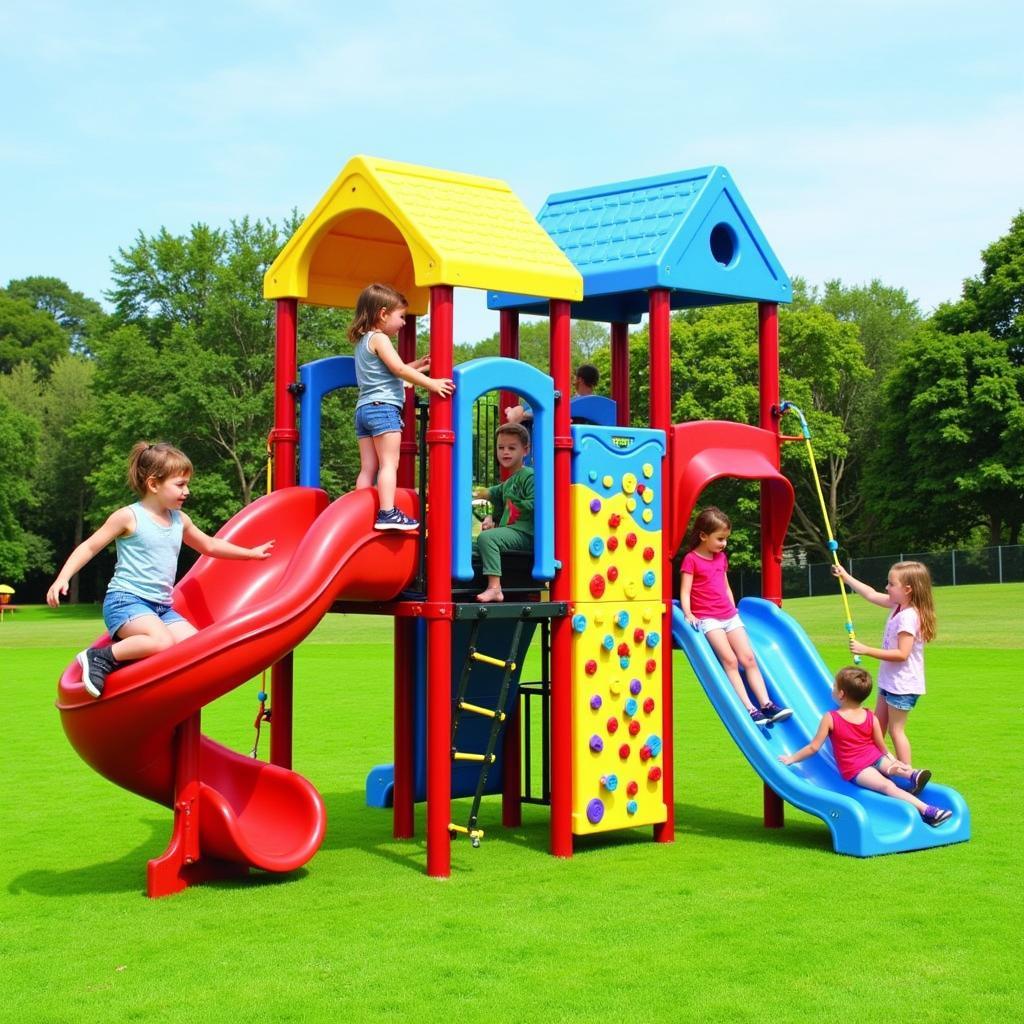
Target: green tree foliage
[
  {"x": 19, "y": 547},
  {"x": 189, "y": 358},
  {"x": 28, "y": 335},
  {"x": 77, "y": 315},
  {"x": 994, "y": 300},
  {"x": 951, "y": 451}
]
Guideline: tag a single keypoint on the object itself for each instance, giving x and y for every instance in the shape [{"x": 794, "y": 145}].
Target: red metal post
[
  {"x": 284, "y": 440},
  {"x": 407, "y": 353},
  {"x": 511, "y": 794},
  {"x": 508, "y": 346},
  {"x": 620, "y": 372},
  {"x": 404, "y": 819},
  {"x": 661, "y": 419},
  {"x": 561, "y": 628},
  {"x": 771, "y": 561},
  {"x": 440, "y": 439}
]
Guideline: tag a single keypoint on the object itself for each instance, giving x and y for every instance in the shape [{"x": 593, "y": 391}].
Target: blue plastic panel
[
  {"x": 862, "y": 823},
  {"x": 318, "y": 379},
  {"x": 476, "y": 378}
]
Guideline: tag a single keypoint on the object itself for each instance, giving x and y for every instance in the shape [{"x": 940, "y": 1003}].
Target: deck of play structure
[{"x": 612, "y": 504}]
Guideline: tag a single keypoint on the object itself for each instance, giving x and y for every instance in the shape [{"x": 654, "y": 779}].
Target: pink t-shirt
[
  {"x": 902, "y": 676},
  {"x": 853, "y": 745},
  {"x": 709, "y": 597}
]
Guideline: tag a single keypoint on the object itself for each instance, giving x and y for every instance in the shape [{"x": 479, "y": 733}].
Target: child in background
[
  {"x": 908, "y": 592},
  {"x": 147, "y": 535},
  {"x": 859, "y": 750},
  {"x": 585, "y": 383},
  {"x": 707, "y": 602},
  {"x": 379, "y": 316},
  {"x": 512, "y": 502}
]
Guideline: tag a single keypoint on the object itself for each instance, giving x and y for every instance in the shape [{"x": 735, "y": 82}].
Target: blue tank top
[
  {"x": 376, "y": 382},
  {"x": 147, "y": 560}
]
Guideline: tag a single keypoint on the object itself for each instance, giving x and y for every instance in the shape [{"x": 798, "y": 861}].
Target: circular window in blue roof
[{"x": 724, "y": 244}]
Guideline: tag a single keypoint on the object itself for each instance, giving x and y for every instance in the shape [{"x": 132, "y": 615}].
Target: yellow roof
[{"x": 413, "y": 227}]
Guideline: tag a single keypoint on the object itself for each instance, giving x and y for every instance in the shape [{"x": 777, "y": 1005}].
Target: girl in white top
[
  {"x": 908, "y": 592},
  {"x": 138, "y": 610}
]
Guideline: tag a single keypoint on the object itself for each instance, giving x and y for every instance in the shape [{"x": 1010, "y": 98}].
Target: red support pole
[
  {"x": 284, "y": 439},
  {"x": 661, "y": 419},
  {"x": 440, "y": 439},
  {"x": 508, "y": 346},
  {"x": 404, "y": 818},
  {"x": 620, "y": 372},
  {"x": 768, "y": 366},
  {"x": 511, "y": 794},
  {"x": 561, "y": 628},
  {"x": 407, "y": 353},
  {"x": 771, "y": 561}
]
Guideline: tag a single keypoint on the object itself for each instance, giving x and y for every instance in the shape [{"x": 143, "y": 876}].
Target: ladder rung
[
  {"x": 459, "y": 756},
  {"x": 487, "y": 659},
  {"x": 486, "y": 712}
]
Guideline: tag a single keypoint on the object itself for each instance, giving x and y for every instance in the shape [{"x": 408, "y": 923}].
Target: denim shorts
[
  {"x": 708, "y": 624},
  {"x": 900, "y": 701},
  {"x": 120, "y": 607},
  {"x": 376, "y": 418}
]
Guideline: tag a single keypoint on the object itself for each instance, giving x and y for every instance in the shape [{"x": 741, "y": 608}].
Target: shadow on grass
[{"x": 128, "y": 872}]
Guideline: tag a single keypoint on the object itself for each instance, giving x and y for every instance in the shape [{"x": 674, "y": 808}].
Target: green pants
[{"x": 491, "y": 543}]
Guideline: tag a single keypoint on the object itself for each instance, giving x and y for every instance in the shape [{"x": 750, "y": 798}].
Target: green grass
[{"x": 729, "y": 923}]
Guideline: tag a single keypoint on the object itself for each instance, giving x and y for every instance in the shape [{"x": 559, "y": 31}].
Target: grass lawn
[{"x": 729, "y": 923}]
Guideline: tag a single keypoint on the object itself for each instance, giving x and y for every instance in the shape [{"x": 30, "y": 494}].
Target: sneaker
[
  {"x": 919, "y": 780},
  {"x": 758, "y": 717},
  {"x": 935, "y": 815},
  {"x": 395, "y": 519},
  {"x": 97, "y": 663},
  {"x": 774, "y": 713}
]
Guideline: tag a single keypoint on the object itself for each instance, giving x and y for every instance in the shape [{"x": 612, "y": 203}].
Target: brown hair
[
  {"x": 516, "y": 429},
  {"x": 854, "y": 682},
  {"x": 373, "y": 300},
  {"x": 916, "y": 576},
  {"x": 708, "y": 520},
  {"x": 158, "y": 461}
]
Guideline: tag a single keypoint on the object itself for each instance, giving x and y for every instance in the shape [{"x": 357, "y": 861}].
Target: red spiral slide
[{"x": 249, "y": 615}]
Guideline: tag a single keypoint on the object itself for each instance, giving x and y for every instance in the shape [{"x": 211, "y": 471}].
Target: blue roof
[{"x": 690, "y": 232}]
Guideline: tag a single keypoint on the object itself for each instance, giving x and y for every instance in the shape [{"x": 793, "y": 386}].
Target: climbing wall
[{"x": 617, "y": 648}]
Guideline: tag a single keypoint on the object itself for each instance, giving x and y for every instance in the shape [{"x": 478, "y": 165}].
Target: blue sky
[{"x": 870, "y": 139}]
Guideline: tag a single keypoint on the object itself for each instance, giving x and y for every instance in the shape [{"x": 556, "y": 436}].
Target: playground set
[{"x": 612, "y": 504}]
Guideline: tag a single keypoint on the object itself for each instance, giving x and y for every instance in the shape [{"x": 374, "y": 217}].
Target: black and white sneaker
[
  {"x": 774, "y": 713},
  {"x": 97, "y": 663},
  {"x": 395, "y": 519}
]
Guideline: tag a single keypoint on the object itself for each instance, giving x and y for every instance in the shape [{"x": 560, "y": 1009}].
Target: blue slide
[{"x": 862, "y": 823}]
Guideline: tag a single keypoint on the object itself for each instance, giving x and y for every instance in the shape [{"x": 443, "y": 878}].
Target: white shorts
[{"x": 706, "y": 625}]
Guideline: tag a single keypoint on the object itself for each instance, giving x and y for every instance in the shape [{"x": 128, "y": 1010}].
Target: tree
[
  {"x": 994, "y": 301},
  {"x": 951, "y": 451},
  {"x": 19, "y": 547},
  {"x": 28, "y": 335},
  {"x": 75, "y": 314},
  {"x": 189, "y": 357}
]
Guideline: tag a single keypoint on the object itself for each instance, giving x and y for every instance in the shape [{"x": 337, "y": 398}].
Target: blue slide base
[{"x": 862, "y": 823}]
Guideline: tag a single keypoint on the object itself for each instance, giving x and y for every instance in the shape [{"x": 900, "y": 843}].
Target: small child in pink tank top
[{"x": 859, "y": 748}]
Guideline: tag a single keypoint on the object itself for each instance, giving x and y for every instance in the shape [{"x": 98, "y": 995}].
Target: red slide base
[{"x": 170, "y": 872}]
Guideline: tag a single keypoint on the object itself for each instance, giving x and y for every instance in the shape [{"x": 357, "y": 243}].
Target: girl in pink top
[
  {"x": 908, "y": 594},
  {"x": 860, "y": 751},
  {"x": 707, "y": 602}
]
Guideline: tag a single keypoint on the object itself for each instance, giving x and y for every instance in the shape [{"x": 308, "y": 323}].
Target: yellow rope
[{"x": 833, "y": 546}]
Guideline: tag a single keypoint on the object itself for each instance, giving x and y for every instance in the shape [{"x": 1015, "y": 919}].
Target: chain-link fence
[{"x": 1004, "y": 564}]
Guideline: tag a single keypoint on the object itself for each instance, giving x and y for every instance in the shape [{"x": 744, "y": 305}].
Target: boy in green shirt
[{"x": 512, "y": 502}]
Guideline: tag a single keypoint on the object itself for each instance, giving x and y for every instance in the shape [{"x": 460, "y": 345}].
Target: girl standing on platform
[
  {"x": 380, "y": 315},
  {"x": 911, "y": 624},
  {"x": 707, "y": 602}
]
